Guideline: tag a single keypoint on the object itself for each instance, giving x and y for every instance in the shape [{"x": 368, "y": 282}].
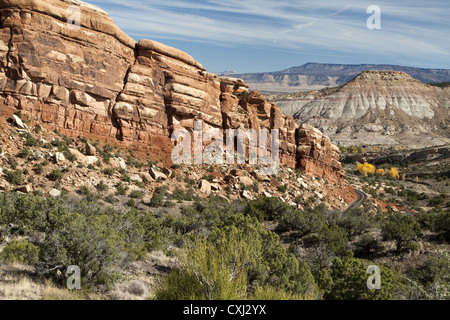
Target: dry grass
[{"x": 17, "y": 284}]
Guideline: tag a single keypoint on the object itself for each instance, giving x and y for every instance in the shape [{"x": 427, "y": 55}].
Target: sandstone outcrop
[{"x": 93, "y": 79}]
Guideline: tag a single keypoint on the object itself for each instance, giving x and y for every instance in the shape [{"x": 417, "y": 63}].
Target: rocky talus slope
[
  {"x": 391, "y": 106},
  {"x": 97, "y": 81}
]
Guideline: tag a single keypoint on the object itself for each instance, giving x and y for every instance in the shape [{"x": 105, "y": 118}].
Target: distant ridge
[
  {"x": 313, "y": 76},
  {"x": 375, "y": 107}
]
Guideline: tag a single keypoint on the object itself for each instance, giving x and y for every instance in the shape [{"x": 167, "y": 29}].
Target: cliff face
[{"x": 96, "y": 80}]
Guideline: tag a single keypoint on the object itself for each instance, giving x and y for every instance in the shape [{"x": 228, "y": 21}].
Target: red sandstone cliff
[{"x": 96, "y": 80}]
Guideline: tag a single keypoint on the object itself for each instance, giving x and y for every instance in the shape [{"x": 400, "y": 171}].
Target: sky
[{"x": 262, "y": 36}]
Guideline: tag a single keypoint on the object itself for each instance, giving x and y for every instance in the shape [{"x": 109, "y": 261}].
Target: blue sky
[{"x": 263, "y": 35}]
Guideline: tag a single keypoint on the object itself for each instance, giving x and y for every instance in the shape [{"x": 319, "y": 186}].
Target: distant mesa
[
  {"x": 316, "y": 76},
  {"x": 376, "y": 107}
]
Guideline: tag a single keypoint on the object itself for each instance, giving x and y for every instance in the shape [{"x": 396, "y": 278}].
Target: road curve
[{"x": 361, "y": 198}]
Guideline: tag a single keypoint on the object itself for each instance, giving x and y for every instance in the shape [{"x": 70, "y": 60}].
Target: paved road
[{"x": 361, "y": 198}]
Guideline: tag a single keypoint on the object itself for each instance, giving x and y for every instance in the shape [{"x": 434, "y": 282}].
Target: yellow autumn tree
[
  {"x": 380, "y": 172},
  {"x": 365, "y": 169},
  {"x": 417, "y": 179},
  {"x": 393, "y": 173}
]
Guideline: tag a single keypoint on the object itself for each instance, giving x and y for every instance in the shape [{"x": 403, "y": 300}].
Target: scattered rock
[
  {"x": 156, "y": 174},
  {"x": 267, "y": 195},
  {"x": 54, "y": 193},
  {"x": 167, "y": 172},
  {"x": 215, "y": 186},
  {"x": 78, "y": 155},
  {"x": 237, "y": 172},
  {"x": 18, "y": 122},
  {"x": 146, "y": 177},
  {"x": 221, "y": 196},
  {"x": 91, "y": 160},
  {"x": 59, "y": 157},
  {"x": 90, "y": 150},
  {"x": 246, "y": 195},
  {"x": 275, "y": 183},
  {"x": 136, "y": 178},
  {"x": 246, "y": 181},
  {"x": 205, "y": 187},
  {"x": 118, "y": 163},
  {"x": 260, "y": 177},
  {"x": 26, "y": 188}
]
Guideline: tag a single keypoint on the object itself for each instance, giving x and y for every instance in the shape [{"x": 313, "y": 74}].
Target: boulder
[
  {"x": 215, "y": 187},
  {"x": 91, "y": 160},
  {"x": 136, "y": 178},
  {"x": 54, "y": 193},
  {"x": 28, "y": 188},
  {"x": 90, "y": 150},
  {"x": 118, "y": 163},
  {"x": 78, "y": 155},
  {"x": 157, "y": 175},
  {"x": 18, "y": 122},
  {"x": 205, "y": 187},
  {"x": 260, "y": 177},
  {"x": 59, "y": 157},
  {"x": 146, "y": 177},
  {"x": 237, "y": 172},
  {"x": 167, "y": 172},
  {"x": 246, "y": 181},
  {"x": 246, "y": 195}
]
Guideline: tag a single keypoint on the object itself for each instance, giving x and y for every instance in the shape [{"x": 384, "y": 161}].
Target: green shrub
[
  {"x": 111, "y": 199},
  {"x": 349, "y": 281},
  {"x": 126, "y": 178},
  {"x": 158, "y": 197},
  {"x": 14, "y": 177},
  {"x": 109, "y": 171},
  {"x": 30, "y": 141},
  {"x": 24, "y": 153},
  {"x": 369, "y": 244},
  {"x": 136, "y": 194},
  {"x": 20, "y": 252},
  {"x": 131, "y": 203},
  {"x": 102, "y": 186},
  {"x": 402, "y": 229},
  {"x": 38, "y": 168},
  {"x": 208, "y": 273},
  {"x": 267, "y": 208},
  {"x": 121, "y": 190},
  {"x": 56, "y": 175},
  {"x": 69, "y": 156}
]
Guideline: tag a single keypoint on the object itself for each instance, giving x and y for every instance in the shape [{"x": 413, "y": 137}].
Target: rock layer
[
  {"x": 377, "y": 107},
  {"x": 94, "y": 79}
]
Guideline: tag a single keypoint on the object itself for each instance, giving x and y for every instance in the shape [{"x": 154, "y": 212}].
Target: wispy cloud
[{"x": 409, "y": 28}]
